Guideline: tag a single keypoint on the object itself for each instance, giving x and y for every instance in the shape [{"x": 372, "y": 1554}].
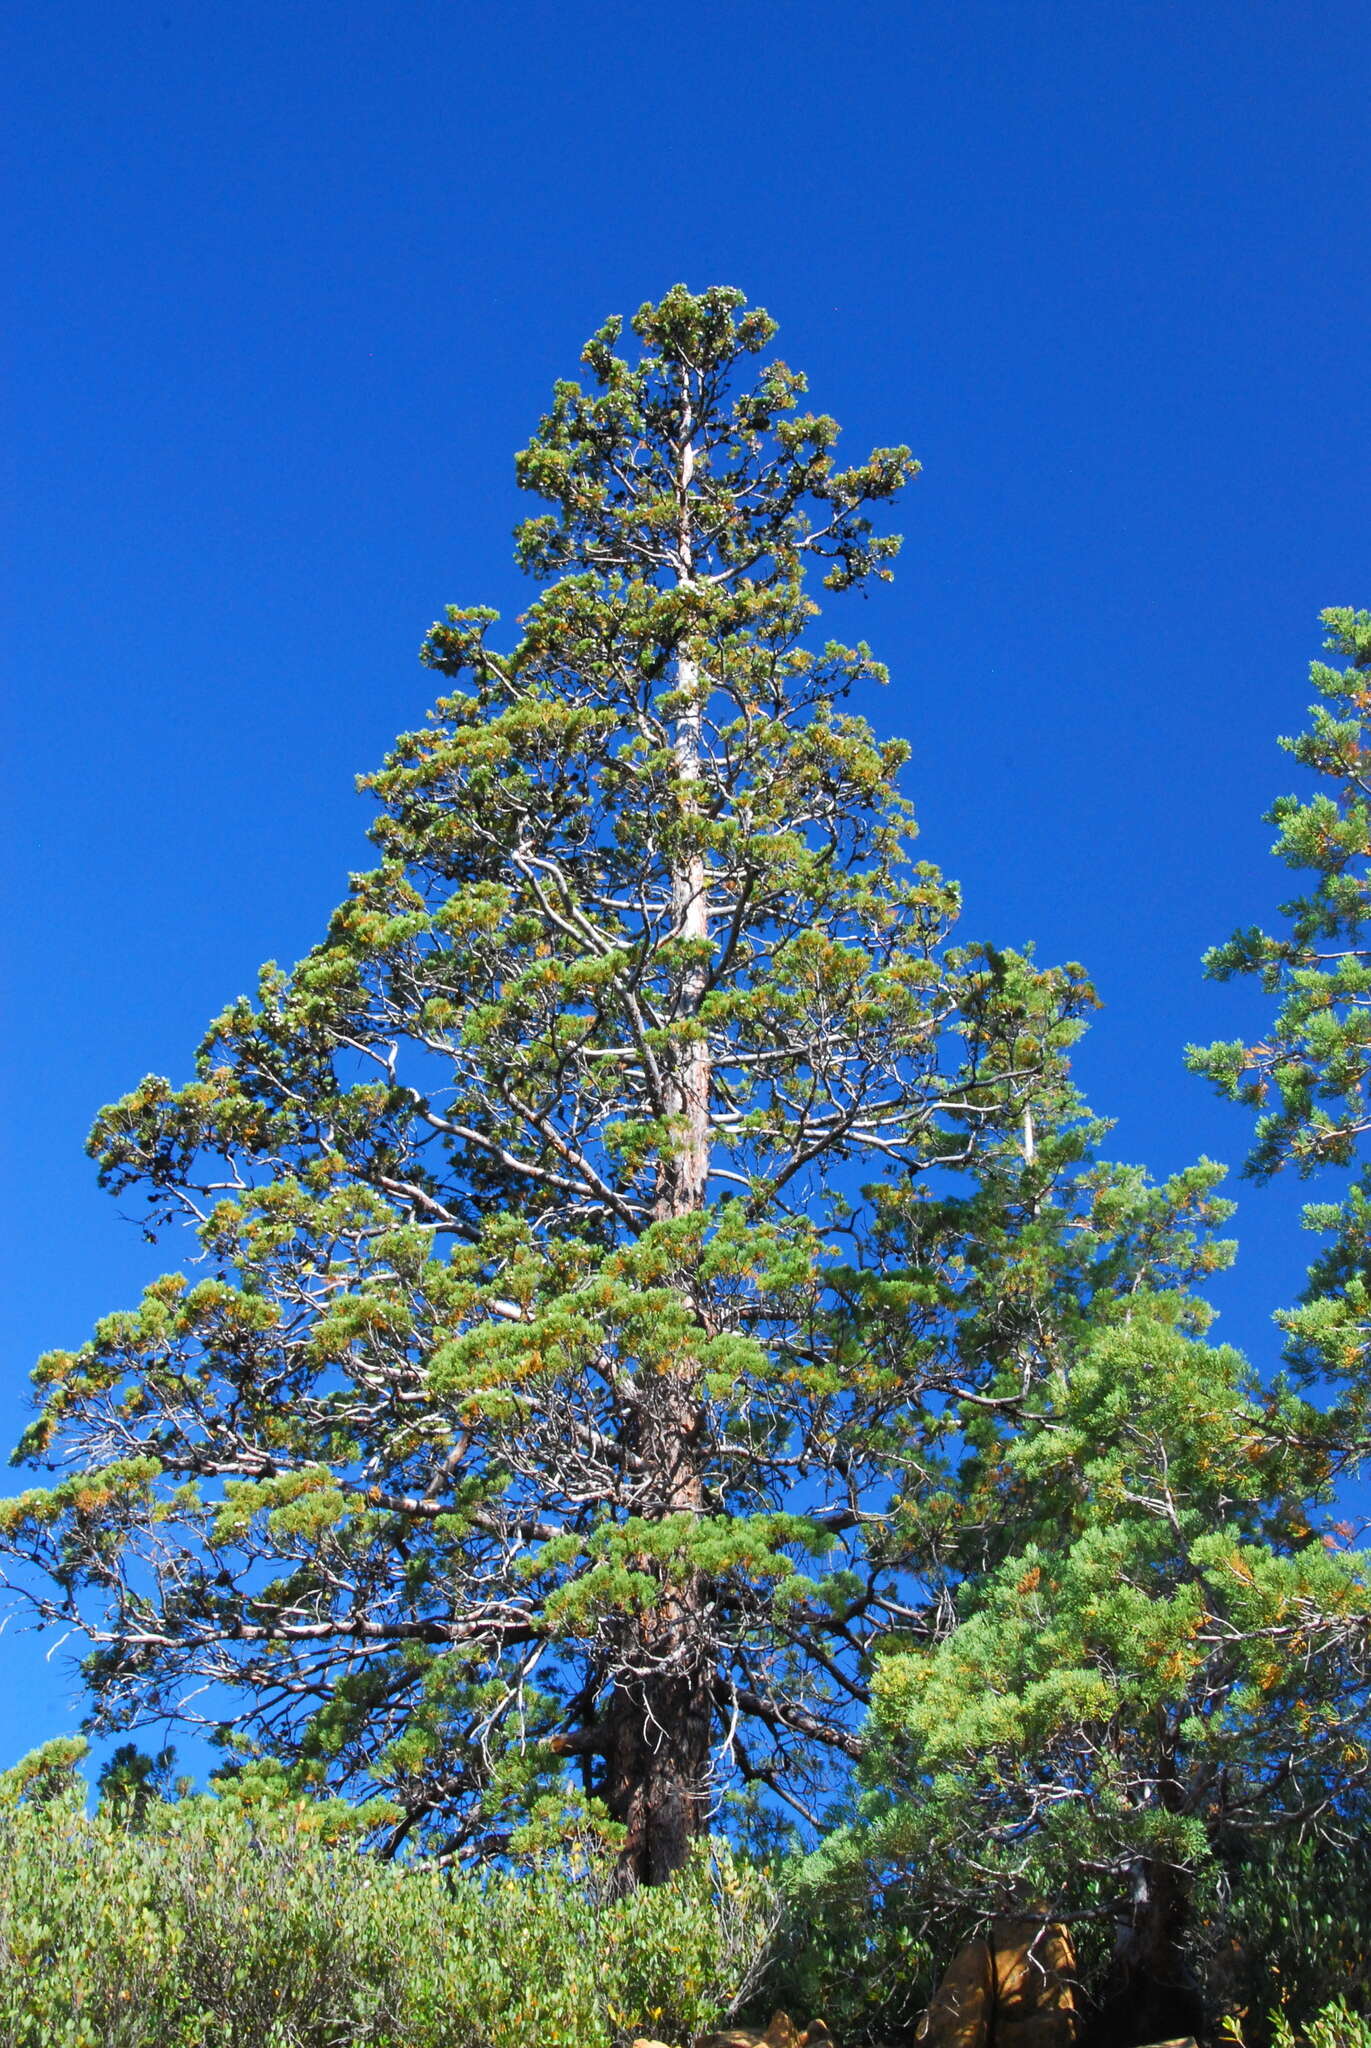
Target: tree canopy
[{"x": 526, "y": 1405}]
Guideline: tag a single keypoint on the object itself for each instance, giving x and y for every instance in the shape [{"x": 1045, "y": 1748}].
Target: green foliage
[
  {"x": 130, "y": 1781},
  {"x": 1294, "y": 1935},
  {"x": 1336, "y": 2026},
  {"x": 1150, "y": 1661},
  {"x": 209, "y": 1926},
  {"x": 52, "y": 1771},
  {"x": 1144, "y": 1647},
  {"x": 866, "y": 1955},
  {"x": 1306, "y": 1079},
  {"x": 521, "y": 1405},
  {"x": 659, "y": 1297}
]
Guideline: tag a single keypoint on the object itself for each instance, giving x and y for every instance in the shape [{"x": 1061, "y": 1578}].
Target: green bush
[
  {"x": 1336, "y": 2026},
  {"x": 1280, "y": 1937},
  {"x": 849, "y": 1948},
  {"x": 1294, "y": 1936},
  {"x": 215, "y": 1926}
]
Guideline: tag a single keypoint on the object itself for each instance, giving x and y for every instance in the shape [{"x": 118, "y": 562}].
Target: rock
[
  {"x": 963, "y": 2007},
  {"x": 1014, "y": 1987},
  {"x": 643, "y": 2042},
  {"x": 1035, "y": 1985},
  {"x": 781, "y": 2032}
]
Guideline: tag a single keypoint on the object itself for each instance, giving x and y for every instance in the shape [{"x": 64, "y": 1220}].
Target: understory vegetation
[
  {"x": 252, "y": 1918},
  {"x": 215, "y": 1924}
]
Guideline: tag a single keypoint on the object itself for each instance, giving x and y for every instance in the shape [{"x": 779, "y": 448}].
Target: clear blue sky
[{"x": 289, "y": 285}]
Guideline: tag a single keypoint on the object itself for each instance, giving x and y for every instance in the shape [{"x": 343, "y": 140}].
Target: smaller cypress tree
[
  {"x": 1155, "y": 1662},
  {"x": 1308, "y": 1080}
]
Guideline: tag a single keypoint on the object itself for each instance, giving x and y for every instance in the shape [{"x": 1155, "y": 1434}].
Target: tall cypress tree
[{"x": 528, "y": 1427}]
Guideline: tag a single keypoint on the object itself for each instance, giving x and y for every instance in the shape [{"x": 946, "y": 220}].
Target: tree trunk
[
  {"x": 658, "y": 1722},
  {"x": 657, "y": 1740},
  {"x": 685, "y": 1166},
  {"x": 1151, "y": 1992}
]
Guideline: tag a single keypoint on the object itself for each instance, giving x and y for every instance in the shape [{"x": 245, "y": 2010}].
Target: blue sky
[{"x": 290, "y": 283}]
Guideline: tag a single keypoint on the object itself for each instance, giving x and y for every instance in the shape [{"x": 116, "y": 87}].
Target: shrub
[
  {"x": 1295, "y": 1935},
  {"x": 211, "y": 1926},
  {"x": 855, "y": 1943}
]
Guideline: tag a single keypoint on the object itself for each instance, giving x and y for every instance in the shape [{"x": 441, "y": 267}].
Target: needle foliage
[{"x": 517, "y": 1444}]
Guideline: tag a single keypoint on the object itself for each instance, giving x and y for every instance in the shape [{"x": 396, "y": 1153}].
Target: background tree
[
  {"x": 1152, "y": 1681},
  {"x": 525, "y": 1367},
  {"x": 1307, "y": 1078},
  {"x": 1150, "y": 1659}
]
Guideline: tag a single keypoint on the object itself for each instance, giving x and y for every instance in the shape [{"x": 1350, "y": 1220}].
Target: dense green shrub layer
[
  {"x": 224, "y": 1923},
  {"x": 205, "y": 1928}
]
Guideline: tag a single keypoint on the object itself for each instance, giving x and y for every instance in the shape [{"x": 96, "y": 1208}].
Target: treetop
[{"x": 669, "y": 470}]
